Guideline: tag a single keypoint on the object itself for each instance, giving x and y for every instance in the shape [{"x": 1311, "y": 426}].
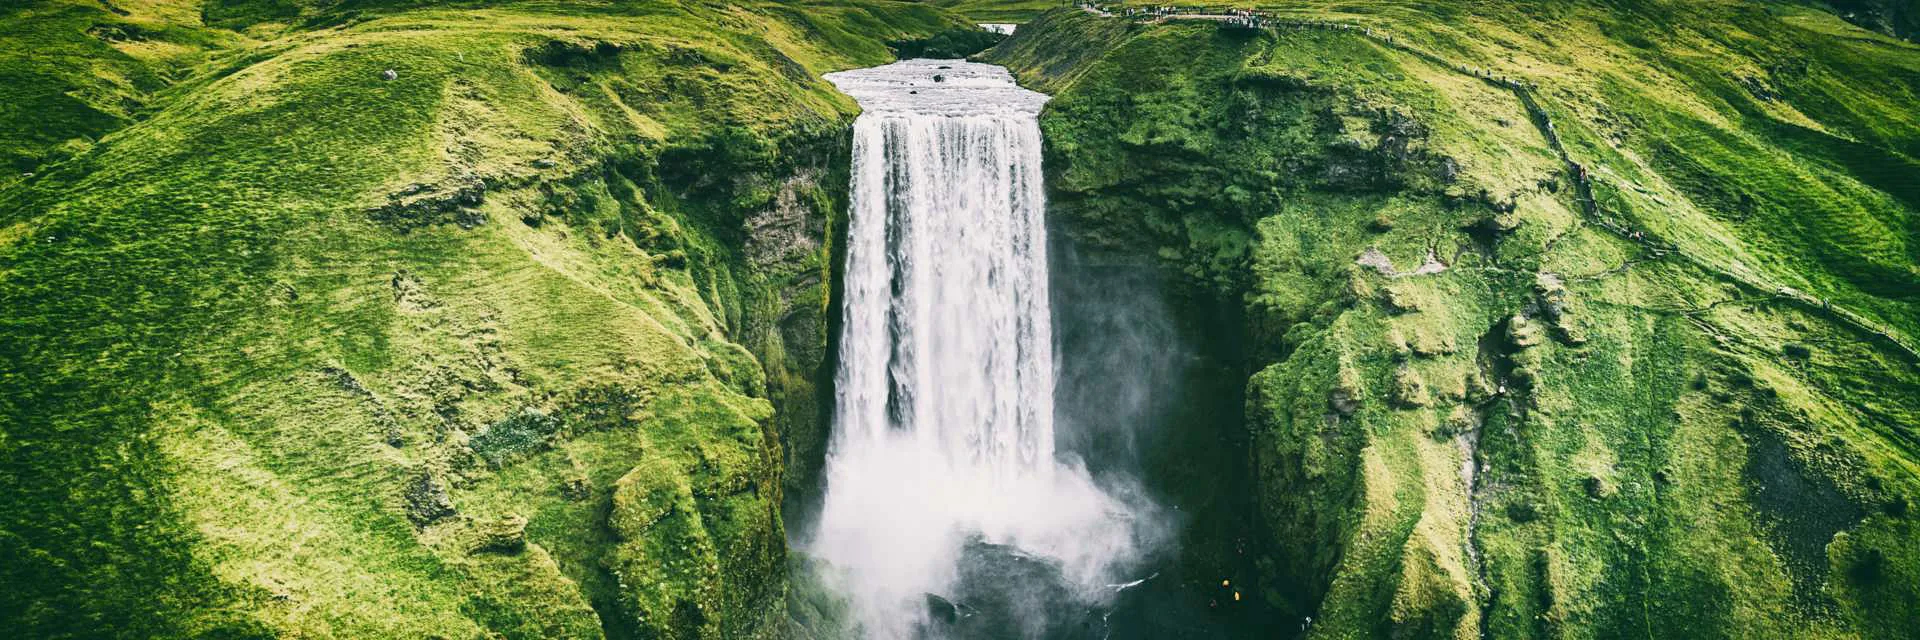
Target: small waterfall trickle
[{"x": 943, "y": 440}]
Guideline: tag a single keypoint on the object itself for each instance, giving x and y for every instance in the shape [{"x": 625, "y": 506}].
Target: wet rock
[
  {"x": 589, "y": 55},
  {"x": 1759, "y": 89},
  {"x": 789, "y": 230},
  {"x": 1349, "y": 168},
  {"x": 345, "y": 380},
  {"x": 944, "y": 611},
  {"x": 1009, "y": 593}
]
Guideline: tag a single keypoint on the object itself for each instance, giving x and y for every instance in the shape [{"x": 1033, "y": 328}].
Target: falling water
[{"x": 943, "y": 437}]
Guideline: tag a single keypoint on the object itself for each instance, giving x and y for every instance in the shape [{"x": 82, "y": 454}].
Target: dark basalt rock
[
  {"x": 944, "y": 611},
  {"x": 1343, "y": 401},
  {"x": 1003, "y": 592},
  {"x": 427, "y": 500},
  {"x": 525, "y": 432},
  {"x": 423, "y": 205}
]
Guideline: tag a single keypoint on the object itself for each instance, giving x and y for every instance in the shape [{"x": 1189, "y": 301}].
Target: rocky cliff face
[
  {"x": 381, "y": 320},
  {"x": 1892, "y": 17},
  {"x": 1553, "y": 329},
  {"x": 373, "y": 318}
]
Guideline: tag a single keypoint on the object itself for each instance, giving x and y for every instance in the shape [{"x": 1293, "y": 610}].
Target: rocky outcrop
[
  {"x": 1410, "y": 487},
  {"x": 1892, "y": 17},
  {"x": 312, "y": 331}
]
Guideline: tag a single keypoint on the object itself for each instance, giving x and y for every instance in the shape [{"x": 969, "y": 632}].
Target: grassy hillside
[
  {"x": 1566, "y": 319},
  {"x": 1571, "y": 320},
  {"x": 489, "y": 347}
]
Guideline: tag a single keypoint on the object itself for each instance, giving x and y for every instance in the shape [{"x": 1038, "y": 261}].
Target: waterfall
[{"x": 944, "y": 422}]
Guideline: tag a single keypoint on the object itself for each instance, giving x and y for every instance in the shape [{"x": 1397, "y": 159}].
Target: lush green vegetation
[
  {"x": 525, "y": 340},
  {"x": 953, "y": 43},
  {"x": 1481, "y": 405},
  {"x": 484, "y": 348}
]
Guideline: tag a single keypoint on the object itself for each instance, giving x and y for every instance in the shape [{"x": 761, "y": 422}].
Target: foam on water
[{"x": 944, "y": 420}]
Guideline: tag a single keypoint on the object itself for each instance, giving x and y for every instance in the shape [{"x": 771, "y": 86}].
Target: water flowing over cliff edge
[{"x": 943, "y": 454}]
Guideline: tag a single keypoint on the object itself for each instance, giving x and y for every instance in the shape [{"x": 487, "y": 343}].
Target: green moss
[
  {"x": 254, "y": 292},
  {"x": 262, "y": 305},
  {"x": 957, "y": 43},
  {"x": 1484, "y": 406},
  {"x": 75, "y": 71}
]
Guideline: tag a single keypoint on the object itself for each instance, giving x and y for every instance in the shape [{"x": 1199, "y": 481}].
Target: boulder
[{"x": 427, "y": 500}]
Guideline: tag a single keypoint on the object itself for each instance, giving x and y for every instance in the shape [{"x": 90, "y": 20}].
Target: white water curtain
[{"x": 943, "y": 427}]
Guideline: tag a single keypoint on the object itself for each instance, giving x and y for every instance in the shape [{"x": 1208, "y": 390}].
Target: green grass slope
[
  {"x": 75, "y": 71},
  {"x": 1571, "y": 320},
  {"x": 487, "y": 349}
]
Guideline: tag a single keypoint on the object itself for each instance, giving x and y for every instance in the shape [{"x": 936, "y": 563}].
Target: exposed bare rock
[{"x": 427, "y": 500}]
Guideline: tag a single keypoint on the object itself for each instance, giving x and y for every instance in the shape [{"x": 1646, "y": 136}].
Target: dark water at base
[
  {"x": 1003, "y": 593},
  {"x": 1150, "y": 396}
]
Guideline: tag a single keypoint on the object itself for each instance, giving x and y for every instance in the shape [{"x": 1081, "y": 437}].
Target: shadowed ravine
[{"x": 1368, "y": 319}]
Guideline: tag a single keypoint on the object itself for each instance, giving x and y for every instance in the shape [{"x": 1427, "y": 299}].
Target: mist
[{"x": 950, "y": 508}]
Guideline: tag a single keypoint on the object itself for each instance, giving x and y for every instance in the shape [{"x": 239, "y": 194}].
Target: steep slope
[
  {"x": 76, "y": 71},
  {"x": 1893, "y": 17},
  {"x": 1570, "y": 320},
  {"x": 485, "y": 346}
]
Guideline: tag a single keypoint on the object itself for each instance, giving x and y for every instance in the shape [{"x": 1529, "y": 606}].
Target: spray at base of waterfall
[{"x": 948, "y": 512}]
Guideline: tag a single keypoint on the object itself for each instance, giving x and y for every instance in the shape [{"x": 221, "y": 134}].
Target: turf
[
  {"x": 1483, "y": 404},
  {"x": 289, "y": 344},
  {"x": 528, "y": 339}
]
